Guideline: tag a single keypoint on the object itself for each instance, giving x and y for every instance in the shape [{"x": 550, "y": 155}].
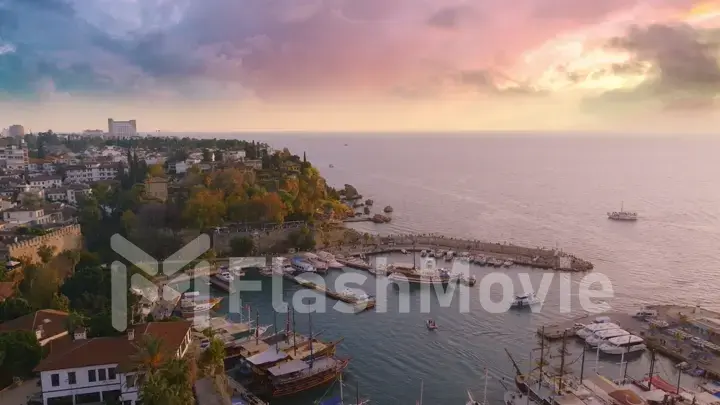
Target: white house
[
  {"x": 90, "y": 173},
  {"x": 178, "y": 167},
  {"x": 69, "y": 194},
  {"x": 100, "y": 369},
  {"x": 45, "y": 181},
  {"x": 20, "y": 216}
]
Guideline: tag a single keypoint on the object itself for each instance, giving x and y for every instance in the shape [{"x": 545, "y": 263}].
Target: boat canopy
[
  {"x": 594, "y": 327},
  {"x": 626, "y": 340},
  {"x": 611, "y": 333},
  {"x": 268, "y": 356},
  {"x": 289, "y": 367}
]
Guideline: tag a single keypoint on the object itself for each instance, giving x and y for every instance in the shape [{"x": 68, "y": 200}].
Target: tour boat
[
  {"x": 403, "y": 251},
  {"x": 192, "y": 304},
  {"x": 431, "y": 325},
  {"x": 449, "y": 255},
  {"x": 525, "y": 301},
  {"x": 622, "y": 215},
  {"x": 588, "y": 330},
  {"x": 223, "y": 280},
  {"x": 623, "y": 345},
  {"x": 357, "y": 296},
  {"x": 469, "y": 281},
  {"x": 301, "y": 265},
  {"x": 330, "y": 260},
  {"x": 603, "y": 336},
  {"x": 508, "y": 263}
]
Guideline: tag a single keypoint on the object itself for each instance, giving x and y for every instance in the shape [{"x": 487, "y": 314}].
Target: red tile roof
[
  {"x": 52, "y": 322},
  {"x": 115, "y": 350},
  {"x": 7, "y": 290}
]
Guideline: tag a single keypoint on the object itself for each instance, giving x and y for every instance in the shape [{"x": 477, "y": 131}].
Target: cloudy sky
[{"x": 400, "y": 65}]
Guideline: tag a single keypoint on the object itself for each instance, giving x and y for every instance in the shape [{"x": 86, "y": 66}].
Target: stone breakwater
[{"x": 534, "y": 257}]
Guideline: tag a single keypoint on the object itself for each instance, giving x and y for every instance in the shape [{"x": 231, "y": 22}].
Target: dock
[
  {"x": 360, "y": 306},
  {"x": 533, "y": 257},
  {"x": 693, "y": 322}
]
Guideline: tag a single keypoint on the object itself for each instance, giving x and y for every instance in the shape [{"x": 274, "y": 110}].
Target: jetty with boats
[
  {"x": 285, "y": 363},
  {"x": 474, "y": 251},
  {"x": 688, "y": 335}
]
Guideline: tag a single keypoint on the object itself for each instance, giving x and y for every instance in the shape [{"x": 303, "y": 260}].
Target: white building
[
  {"x": 22, "y": 216},
  {"x": 41, "y": 166},
  {"x": 102, "y": 369},
  {"x": 178, "y": 167},
  {"x": 122, "y": 129},
  {"x": 254, "y": 163},
  {"x": 45, "y": 182},
  {"x": 15, "y": 157},
  {"x": 17, "y": 131},
  {"x": 233, "y": 156},
  {"x": 69, "y": 194},
  {"x": 91, "y": 172}
]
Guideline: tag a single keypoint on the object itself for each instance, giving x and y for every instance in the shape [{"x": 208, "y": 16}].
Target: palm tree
[
  {"x": 214, "y": 357},
  {"x": 149, "y": 357}
]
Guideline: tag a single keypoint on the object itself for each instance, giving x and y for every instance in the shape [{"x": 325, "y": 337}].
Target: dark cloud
[
  {"x": 450, "y": 17},
  {"x": 682, "y": 59}
]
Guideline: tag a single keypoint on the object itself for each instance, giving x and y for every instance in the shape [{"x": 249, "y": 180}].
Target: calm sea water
[{"x": 534, "y": 190}]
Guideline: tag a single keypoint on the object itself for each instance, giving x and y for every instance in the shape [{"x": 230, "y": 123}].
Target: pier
[
  {"x": 534, "y": 257},
  {"x": 677, "y": 339},
  {"x": 360, "y": 305}
]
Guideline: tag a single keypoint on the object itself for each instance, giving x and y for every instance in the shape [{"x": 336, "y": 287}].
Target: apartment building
[
  {"x": 45, "y": 181},
  {"x": 91, "y": 172},
  {"x": 15, "y": 157}
]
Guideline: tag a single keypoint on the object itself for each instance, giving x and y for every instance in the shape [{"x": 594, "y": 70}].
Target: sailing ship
[
  {"x": 622, "y": 215},
  {"x": 281, "y": 368},
  {"x": 192, "y": 304}
]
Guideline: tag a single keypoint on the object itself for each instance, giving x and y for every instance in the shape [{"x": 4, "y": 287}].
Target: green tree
[
  {"x": 213, "y": 358},
  {"x": 241, "y": 246},
  {"x": 21, "y": 353},
  {"x": 14, "y": 307},
  {"x": 46, "y": 253},
  {"x": 73, "y": 256},
  {"x": 156, "y": 170}
]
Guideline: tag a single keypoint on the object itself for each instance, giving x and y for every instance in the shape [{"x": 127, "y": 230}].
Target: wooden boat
[{"x": 297, "y": 376}]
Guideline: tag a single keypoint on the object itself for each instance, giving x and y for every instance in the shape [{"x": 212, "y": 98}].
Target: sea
[{"x": 531, "y": 189}]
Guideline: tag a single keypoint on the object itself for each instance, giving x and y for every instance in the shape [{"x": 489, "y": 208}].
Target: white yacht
[
  {"x": 358, "y": 296},
  {"x": 526, "y": 300},
  {"x": 508, "y": 263},
  {"x": 223, "y": 280},
  {"x": 449, "y": 255},
  {"x": 602, "y": 336},
  {"x": 623, "y": 345},
  {"x": 426, "y": 276},
  {"x": 329, "y": 258},
  {"x": 595, "y": 327},
  {"x": 192, "y": 304},
  {"x": 623, "y": 215}
]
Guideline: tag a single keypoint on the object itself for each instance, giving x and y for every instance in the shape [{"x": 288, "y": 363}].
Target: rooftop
[
  {"x": 52, "y": 322},
  {"x": 115, "y": 350}
]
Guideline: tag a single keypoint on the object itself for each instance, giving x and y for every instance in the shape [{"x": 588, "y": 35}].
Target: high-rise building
[
  {"x": 16, "y": 131},
  {"x": 122, "y": 129}
]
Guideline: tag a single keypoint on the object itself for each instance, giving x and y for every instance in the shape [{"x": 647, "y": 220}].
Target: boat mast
[
  {"x": 582, "y": 363},
  {"x": 294, "y": 333},
  {"x": 277, "y": 348},
  {"x": 485, "y": 388},
  {"x": 311, "y": 340},
  {"x": 542, "y": 358},
  {"x": 652, "y": 366},
  {"x": 257, "y": 332},
  {"x": 421, "y": 391},
  {"x": 342, "y": 401},
  {"x": 357, "y": 391},
  {"x": 562, "y": 362}
]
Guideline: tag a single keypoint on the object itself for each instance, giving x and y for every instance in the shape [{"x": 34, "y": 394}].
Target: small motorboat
[{"x": 431, "y": 325}]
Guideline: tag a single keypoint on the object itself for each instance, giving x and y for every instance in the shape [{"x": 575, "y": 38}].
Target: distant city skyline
[{"x": 372, "y": 65}]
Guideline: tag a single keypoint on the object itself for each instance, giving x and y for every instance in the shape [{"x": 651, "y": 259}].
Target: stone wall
[
  {"x": 66, "y": 238},
  {"x": 266, "y": 240}
]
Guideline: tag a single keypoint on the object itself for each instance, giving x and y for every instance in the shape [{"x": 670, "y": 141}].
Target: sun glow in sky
[{"x": 361, "y": 65}]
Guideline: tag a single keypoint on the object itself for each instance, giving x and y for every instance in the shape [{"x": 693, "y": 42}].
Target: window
[
  {"x": 71, "y": 378},
  {"x": 111, "y": 374},
  {"x": 101, "y": 374},
  {"x": 91, "y": 376},
  {"x": 55, "y": 380},
  {"x": 130, "y": 380}
]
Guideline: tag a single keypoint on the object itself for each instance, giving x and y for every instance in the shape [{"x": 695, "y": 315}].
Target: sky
[{"x": 361, "y": 65}]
